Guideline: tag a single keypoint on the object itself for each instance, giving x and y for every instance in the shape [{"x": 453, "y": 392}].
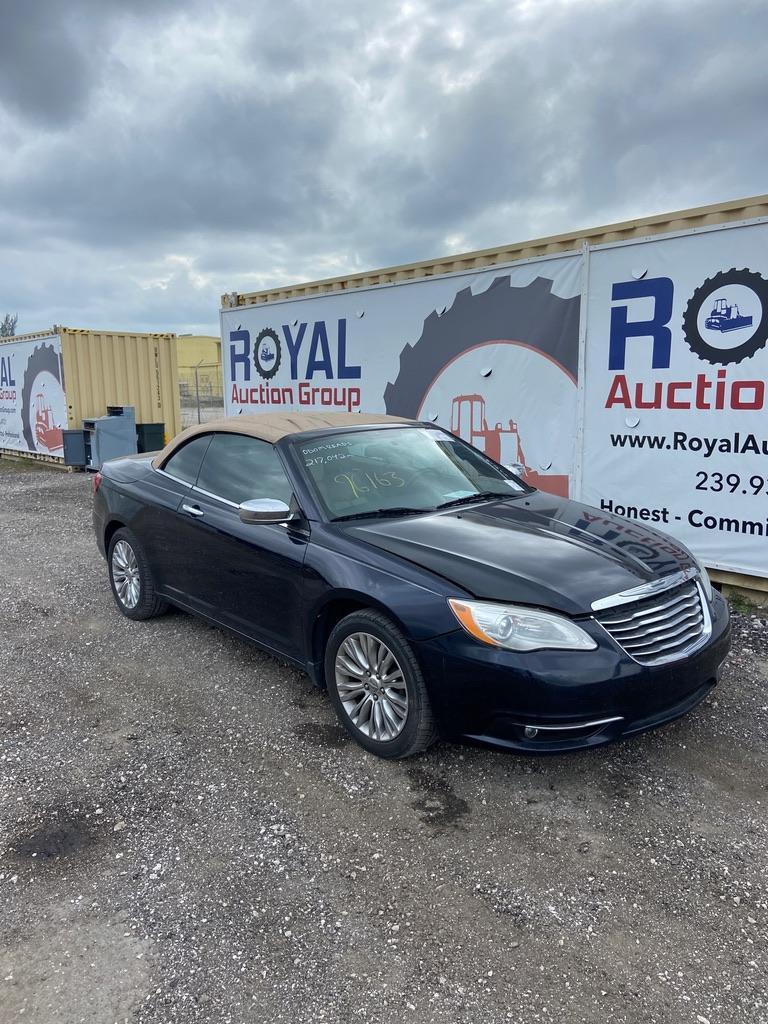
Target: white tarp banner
[
  {"x": 492, "y": 356},
  {"x": 659, "y": 416},
  {"x": 33, "y": 406},
  {"x": 675, "y": 430}
]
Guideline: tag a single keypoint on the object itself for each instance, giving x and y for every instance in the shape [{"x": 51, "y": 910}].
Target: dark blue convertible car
[{"x": 427, "y": 588}]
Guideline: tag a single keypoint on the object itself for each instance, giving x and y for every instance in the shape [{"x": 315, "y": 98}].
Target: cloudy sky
[{"x": 157, "y": 153}]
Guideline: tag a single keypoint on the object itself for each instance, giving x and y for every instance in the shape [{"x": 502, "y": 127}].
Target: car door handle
[{"x": 193, "y": 510}]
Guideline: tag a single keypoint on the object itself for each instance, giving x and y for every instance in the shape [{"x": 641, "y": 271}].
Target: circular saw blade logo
[
  {"x": 537, "y": 332},
  {"x": 726, "y": 319},
  {"x": 43, "y": 404}
]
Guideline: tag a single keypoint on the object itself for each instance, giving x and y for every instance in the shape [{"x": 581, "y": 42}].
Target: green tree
[{"x": 8, "y": 325}]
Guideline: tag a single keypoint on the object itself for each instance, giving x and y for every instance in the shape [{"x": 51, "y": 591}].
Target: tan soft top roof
[{"x": 272, "y": 426}]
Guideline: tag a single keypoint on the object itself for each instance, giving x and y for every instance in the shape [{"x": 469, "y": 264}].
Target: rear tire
[
  {"x": 131, "y": 579},
  {"x": 377, "y": 688}
]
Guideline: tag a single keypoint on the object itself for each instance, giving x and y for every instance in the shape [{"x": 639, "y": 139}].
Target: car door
[
  {"x": 248, "y": 576},
  {"x": 161, "y": 523}
]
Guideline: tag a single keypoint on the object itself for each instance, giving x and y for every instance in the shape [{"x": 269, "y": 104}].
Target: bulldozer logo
[
  {"x": 267, "y": 353},
  {"x": 529, "y": 332},
  {"x": 726, "y": 319}
]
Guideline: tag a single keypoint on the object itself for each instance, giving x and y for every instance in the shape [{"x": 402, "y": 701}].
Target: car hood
[{"x": 533, "y": 549}]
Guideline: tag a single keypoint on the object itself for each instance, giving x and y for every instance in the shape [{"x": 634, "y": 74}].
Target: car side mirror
[{"x": 265, "y": 510}]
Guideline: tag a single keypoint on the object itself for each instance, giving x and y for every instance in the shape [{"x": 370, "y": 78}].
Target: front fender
[{"x": 336, "y": 583}]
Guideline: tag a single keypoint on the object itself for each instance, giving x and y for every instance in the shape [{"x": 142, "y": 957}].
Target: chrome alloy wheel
[
  {"x": 371, "y": 686},
  {"x": 125, "y": 574}
]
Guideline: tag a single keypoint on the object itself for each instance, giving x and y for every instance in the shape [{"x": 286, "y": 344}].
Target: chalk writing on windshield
[
  {"x": 363, "y": 483},
  {"x": 320, "y": 460},
  {"x": 329, "y": 446}
]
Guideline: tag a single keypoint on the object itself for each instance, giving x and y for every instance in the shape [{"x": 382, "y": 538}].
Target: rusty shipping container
[{"x": 53, "y": 380}]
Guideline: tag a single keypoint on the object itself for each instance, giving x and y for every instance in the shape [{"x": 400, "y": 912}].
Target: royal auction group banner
[
  {"x": 491, "y": 356},
  {"x": 630, "y": 376},
  {"x": 33, "y": 407},
  {"x": 675, "y": 428}
]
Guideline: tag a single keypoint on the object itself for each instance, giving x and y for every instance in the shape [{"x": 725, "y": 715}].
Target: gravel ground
[{"x": 186, "y": 834}]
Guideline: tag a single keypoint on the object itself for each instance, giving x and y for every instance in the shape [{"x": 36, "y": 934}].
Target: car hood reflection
[{"x": 531, "y": 549}]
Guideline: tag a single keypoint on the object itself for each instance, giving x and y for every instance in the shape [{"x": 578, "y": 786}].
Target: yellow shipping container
[
  {"x": 197, "y": 350},
  {"x": 63, "y": 376},
  {"x": 200, "y": 377}
]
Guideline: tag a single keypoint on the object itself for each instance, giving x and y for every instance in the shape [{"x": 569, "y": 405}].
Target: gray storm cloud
[{"x": 158, "y": 154}]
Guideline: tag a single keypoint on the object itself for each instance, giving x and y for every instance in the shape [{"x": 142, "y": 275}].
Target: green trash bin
[{"x": 150, "y": 437}]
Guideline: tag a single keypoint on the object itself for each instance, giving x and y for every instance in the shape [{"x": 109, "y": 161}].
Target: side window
[
  {"x": 185, "y": 463},
  {"x": 239, "y": 468}
]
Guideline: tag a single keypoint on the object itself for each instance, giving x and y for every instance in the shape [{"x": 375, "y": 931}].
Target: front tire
[
  {"x": 376, "y": 686},
  {"x": 130, "y": 575}
]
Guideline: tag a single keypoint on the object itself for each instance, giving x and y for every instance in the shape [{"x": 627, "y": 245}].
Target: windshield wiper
[
  {"x": 469, "y": 498},
  {"x": 401, "y": 510}
]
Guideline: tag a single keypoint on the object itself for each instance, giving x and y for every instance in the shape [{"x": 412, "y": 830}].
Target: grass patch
[
  {"x": 741, "y": 603},
  {"x": 9, "y": 464}
]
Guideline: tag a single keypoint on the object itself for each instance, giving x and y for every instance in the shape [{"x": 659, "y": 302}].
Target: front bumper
[{"x": 574, "y": 699}]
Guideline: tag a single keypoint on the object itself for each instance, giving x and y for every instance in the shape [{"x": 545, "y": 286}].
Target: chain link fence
[{"x": 201, "y": 393}]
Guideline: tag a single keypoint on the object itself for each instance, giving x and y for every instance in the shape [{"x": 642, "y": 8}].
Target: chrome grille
[{"x": 661, "y": 628}]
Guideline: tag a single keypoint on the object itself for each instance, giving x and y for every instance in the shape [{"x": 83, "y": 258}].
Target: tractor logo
[
  {"x": 48, "y": 435},
  {"x": 726, "y": 319},
  {"x": 502, "y": 444},
  {"x": 43, "y": 404},
  {"x": 267, "y": 353}
]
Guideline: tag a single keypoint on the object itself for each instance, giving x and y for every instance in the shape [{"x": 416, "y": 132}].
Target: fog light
[{"x": 530, "y": 732}]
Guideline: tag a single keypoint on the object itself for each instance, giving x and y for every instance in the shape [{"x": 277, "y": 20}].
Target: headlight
[
  {"x": 519, "y": 629},
  {"x": 706, "y": 582}
]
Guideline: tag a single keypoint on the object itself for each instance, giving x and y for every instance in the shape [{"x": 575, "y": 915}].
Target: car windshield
[{"x": 399, "y": 471}]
